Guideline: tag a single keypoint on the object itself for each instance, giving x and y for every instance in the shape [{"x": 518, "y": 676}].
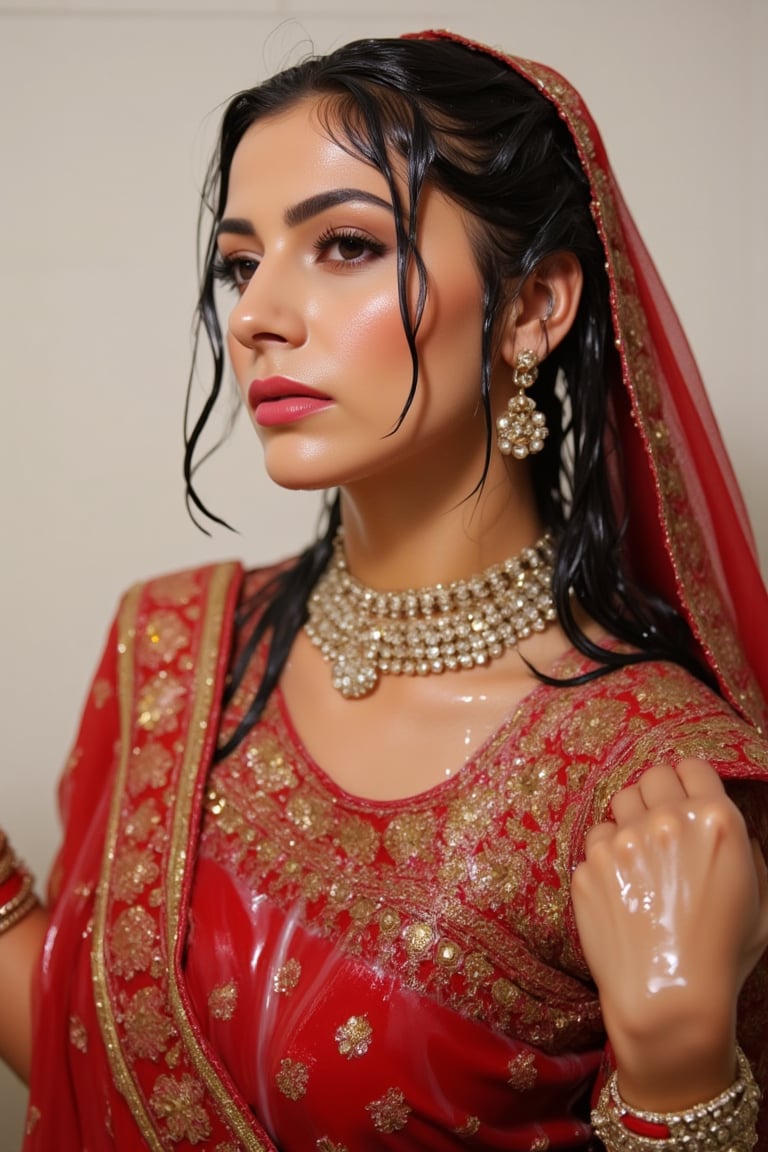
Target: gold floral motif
[
  {"x": 160, "y": 703},
  {"x": 310, "y": 813},
  {"x": 134, "y": 869},
  {"x": 389, "y": 921},
  {"x": 477, "y": 968},
  {"x": 33, "y": 1119},
  {"x": 102, "y": 691},
  {"x": 287, "y": 976},
  {"x": 505, "y": 993},
  {"x": 149, "y": 767},
  {"x": 173, "y": 1055},
  {"x": 222, "y": 1001},
  {"x": 292, "y": 1079},
  {"x": 163, "y": 637},
  {"x": 132, "y": 942},
  {"x": 179, "y": 1103},
  {"x": 410, "y": 834},
  {"x": 522, "y": 1072},
  {"x": 143, "y": 822},
  {"x": 470, "y": 1127},
  {"x": 325, "y": 1144},
  {"x": 178, "y": 588},
  {"x": 468, "y": 818},
  {"x": 417, "y": 939},
  {"x": 540, "y": 1144},
  {"x": 354, "y": 1037},
  {"x": 269, "y": 766},
  {"x": 447, "y": 953},
  {"x": 359, "y": 839},
  {"x": 147, "y": 1025},
  {"x": 593, "y": 727},
  {"x": 78, "y": 1035},
  {"x": 390, "y": 1113}
]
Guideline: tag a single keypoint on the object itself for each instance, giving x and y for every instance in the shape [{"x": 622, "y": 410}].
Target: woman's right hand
[{"x": 671, "y": 904}]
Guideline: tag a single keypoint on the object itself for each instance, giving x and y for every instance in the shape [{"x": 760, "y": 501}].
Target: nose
[{"x": 268, "y": 311}]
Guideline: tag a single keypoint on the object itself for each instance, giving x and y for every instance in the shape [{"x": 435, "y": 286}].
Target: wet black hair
[{"x": 485, "y": 137}]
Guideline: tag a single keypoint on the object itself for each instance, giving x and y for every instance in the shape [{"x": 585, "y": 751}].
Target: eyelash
[{"x": 226, "y": 268}]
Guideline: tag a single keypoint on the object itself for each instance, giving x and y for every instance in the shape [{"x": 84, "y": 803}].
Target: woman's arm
[
  {"x": 20, "y": 949},
  {"x": 671, "y": 904}
]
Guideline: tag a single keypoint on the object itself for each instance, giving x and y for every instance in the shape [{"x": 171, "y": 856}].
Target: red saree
[
  {"x": 234, "y": 946},
  {"x": 245, "y": 957}
]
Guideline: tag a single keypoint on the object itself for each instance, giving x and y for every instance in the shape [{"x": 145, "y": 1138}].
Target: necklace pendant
[{"x": 353, "y": 675}]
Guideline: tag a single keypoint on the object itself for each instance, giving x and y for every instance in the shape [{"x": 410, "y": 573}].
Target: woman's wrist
[
  {"x": 17, "y": 895},
  {"x": 726, "y": 1122}
]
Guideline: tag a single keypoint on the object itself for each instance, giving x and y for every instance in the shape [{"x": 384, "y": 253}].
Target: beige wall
[{"x": 108, "y": 108}]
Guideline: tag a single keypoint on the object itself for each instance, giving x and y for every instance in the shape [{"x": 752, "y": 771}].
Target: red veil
[{"x": 690, "y": 538}]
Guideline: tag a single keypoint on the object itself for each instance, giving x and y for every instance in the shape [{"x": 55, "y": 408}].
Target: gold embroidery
[
  {"x": 540, "y": 1144},
  {"x": 522, "y": 1072},
  {"x": 102, "y": 691},
  {"x": 287, "y": 976},
  {"x": 222, "y": 1001},
  {"x": 132, "y": 942},
  {"x": 160, "y": 703},
  {"x": 78, "y": 1036},
  {"x": 147, "y": 1026},
  {"x": 142, "y": 822},
  {"x": 447, "y": 954},
  {"x": 178, "y": 1102},
  {"x": 359, "y": 839},
  {"x": 390, "y": 1113},
  {"x": 310, "y": 813},
  {"x": 33, "y": 1118},
  {"x": 354, "y": 1037},
  {"x": 325, "y": 1144},
  {"x": 134, "y": 869},
  {"x": 469, "y": 1128},
  {"x": 292, "y": 1079},
  {"x": 418, "y": 938},
  {"x": 410, "y": 834},
  {"x": 268, "y": 765},
  {"x": 178, "y": 588},
  {"x": 149, "y": 767},
  {"x": 164, "y": 636}
]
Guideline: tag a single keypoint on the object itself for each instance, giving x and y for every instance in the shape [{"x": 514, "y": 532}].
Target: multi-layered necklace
[{"x": 364, "y": 633}]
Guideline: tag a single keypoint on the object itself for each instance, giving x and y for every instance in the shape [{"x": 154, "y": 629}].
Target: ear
[{"x": 544, "y": 308}]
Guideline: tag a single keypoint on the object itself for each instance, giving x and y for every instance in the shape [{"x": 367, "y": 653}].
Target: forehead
[{"x": 294, "y": 153}]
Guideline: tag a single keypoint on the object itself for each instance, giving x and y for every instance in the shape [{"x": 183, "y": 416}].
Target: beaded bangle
[
  {"x": 725, "y": 1124},
  {"x": 17, "y": 896}
]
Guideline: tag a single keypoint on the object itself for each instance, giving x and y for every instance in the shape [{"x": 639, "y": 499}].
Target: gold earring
[{"x": 522, "y": 430}]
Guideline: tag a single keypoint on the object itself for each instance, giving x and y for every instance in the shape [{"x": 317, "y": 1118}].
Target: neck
[{"x": 414, "y": 537}]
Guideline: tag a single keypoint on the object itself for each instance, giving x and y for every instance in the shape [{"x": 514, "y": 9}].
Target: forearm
[{"x": 20, "y": 949}]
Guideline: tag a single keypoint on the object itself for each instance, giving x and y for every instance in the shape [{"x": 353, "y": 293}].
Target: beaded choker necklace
[{"x": 364, "y": 633}]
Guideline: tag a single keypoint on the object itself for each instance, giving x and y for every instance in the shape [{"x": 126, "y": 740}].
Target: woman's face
[{"x": 316, "y": 336}]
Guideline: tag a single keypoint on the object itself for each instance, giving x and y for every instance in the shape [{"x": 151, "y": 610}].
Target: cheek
[{"x": 373, "y": 330}]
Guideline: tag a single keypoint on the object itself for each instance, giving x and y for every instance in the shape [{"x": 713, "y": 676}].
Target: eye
[
  {"x": 235, "y": 271},
  {"x": 348, "y": 247}
]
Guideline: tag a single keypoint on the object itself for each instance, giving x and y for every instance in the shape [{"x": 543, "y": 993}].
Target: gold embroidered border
[
  {"x": 179, "y": 858},
  {"x": 121, "y": 1073}
]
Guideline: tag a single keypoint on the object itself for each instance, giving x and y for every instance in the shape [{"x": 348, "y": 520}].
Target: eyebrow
[{"x": 306, "y": 209}]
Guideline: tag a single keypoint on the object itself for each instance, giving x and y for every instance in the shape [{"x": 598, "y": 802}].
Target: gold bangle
[
  {"x": 727, "y": 1123},
  {"x": 8, "y": 864},
  {"x": 20, "y": 905}
]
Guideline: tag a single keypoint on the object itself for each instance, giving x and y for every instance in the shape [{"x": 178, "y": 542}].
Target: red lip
[
  {"x": 278, "y": 400},
  {"x": 279, "y": 388}
]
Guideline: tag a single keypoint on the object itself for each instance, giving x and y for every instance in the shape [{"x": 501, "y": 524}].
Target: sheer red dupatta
[{"x": 689, "y": 537}]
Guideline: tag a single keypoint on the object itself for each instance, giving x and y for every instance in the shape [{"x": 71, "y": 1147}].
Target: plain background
[{"x": 109, "y": 108}]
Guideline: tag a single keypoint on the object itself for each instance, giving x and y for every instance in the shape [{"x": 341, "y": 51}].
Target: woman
[{"x": 443, "y": 310}]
